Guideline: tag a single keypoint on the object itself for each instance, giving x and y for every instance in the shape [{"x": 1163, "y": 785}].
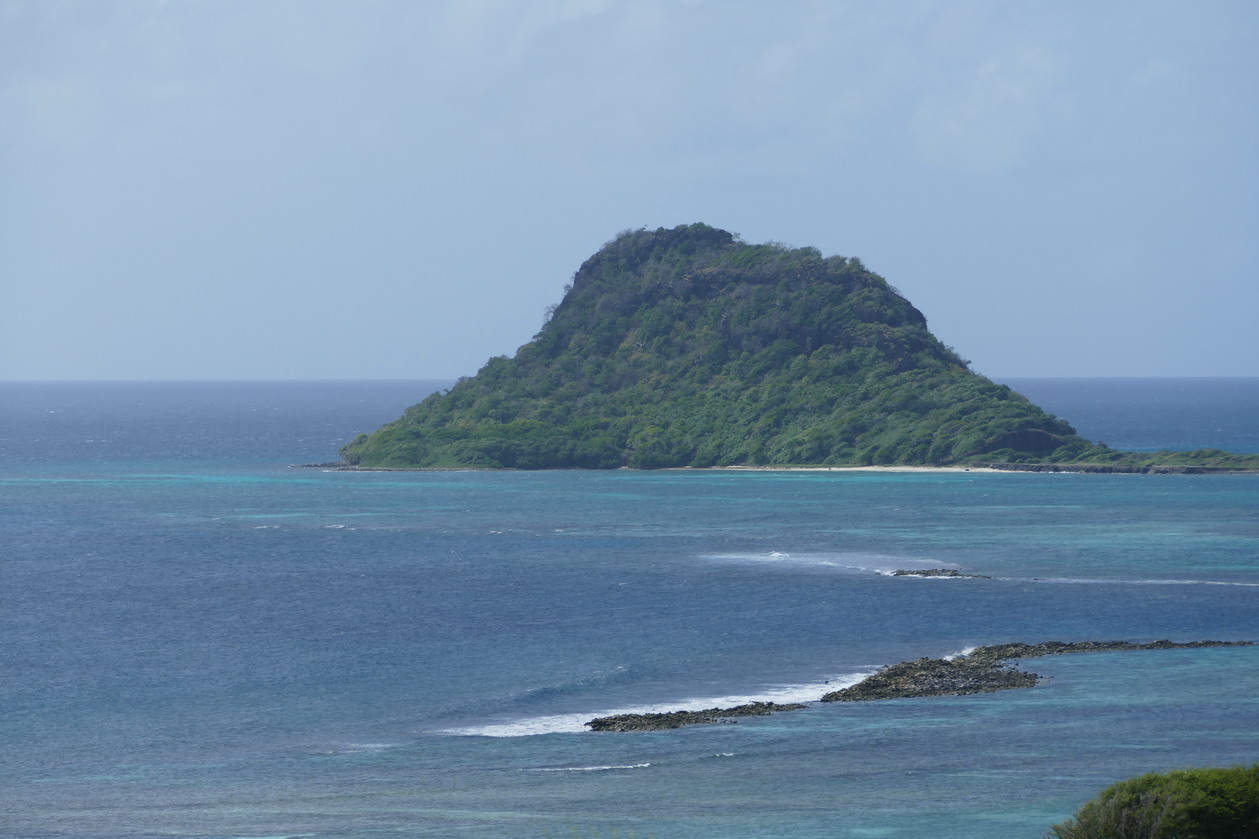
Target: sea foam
[
  {"x": 960, "y": 654},
  {"x": 839, "y": 561},
  {"x": 576, "y": 722},
  {"x": 584, "y": 768},
  {"x": 1101, "y": 581}
]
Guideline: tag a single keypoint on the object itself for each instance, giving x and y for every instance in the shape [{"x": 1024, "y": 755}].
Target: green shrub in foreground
[{"x": 1184, "y": 804}]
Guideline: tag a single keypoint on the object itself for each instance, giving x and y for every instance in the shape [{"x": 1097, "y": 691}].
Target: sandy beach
[{"x": 836, "y": 469}]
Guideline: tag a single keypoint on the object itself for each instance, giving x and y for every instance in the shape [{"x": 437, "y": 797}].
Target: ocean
[{"x": 202, "y": 641}]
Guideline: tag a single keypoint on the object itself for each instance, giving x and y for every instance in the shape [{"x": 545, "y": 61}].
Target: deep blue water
[
  {"x": 200, "y": 641},
  {"x": 1152, "y": 414}
]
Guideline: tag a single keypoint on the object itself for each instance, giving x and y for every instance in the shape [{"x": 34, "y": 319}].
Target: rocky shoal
[
  {"x": 983, "y": 670},
  {"x": 677, "y": 719},
  {"x": 936, "y": 572}
]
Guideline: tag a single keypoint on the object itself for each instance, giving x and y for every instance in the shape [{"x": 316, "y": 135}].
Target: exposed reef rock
[
  {"x": 935, "y": 677},
  {"x": 936, "y": 572},
  {"x": 677, "y": 719},
  {"x": 1002, "y": 652},
  {"x": 983, "y": 670}
]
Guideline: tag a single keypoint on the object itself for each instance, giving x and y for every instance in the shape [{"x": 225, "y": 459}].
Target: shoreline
[
  {"x": 988, "y": 468},
  {"x": 345, "y": 467},
  {"x": 1050, "y": 468},
  {"x": 891, "y": 468}
]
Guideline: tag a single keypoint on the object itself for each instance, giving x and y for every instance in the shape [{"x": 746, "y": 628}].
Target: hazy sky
[{"x": 276, "y": 189}]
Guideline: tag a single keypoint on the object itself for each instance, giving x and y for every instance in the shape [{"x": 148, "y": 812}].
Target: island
[
  {"x": 985, "y": 669},
  {"x": 686, "y": 347}
]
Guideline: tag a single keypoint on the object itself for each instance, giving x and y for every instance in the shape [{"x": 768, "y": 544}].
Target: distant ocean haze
[{"x": 1180, "y": 414}]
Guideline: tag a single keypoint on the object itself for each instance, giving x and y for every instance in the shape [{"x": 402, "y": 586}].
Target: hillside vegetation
[
  {"x": 687, "y": 347},
  {"x": 1206, "y": 803}
]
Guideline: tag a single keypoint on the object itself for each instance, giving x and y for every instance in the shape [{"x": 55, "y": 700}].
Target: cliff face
[{"x": 687, "y": 347}]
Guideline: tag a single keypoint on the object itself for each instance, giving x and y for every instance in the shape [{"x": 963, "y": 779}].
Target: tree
[{"x": 1202, "y": 803}]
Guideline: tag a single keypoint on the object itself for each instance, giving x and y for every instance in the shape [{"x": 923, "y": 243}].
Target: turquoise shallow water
[{"x": 201, "y": 641}]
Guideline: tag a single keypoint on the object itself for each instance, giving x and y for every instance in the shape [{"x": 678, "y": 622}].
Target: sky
[{"x": 381, "y": 189}]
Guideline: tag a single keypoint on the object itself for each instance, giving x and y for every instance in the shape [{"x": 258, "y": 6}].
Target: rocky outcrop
[
  {"x": 934, "y": 677},
  {"x": 1003, "y": 652},
  {"x": 936, "y": 572},
  {"x": 677, "y": 719},
  {"x": 984, "y": 670}
]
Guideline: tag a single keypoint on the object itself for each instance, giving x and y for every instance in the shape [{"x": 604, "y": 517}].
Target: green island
[{"x": 687, "y": 347}]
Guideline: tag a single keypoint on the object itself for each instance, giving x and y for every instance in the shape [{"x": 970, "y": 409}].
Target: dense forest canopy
[{"x": 687, "y": 347}]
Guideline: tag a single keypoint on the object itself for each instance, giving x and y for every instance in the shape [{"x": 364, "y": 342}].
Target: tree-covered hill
[{"x": 687, "y": 347}]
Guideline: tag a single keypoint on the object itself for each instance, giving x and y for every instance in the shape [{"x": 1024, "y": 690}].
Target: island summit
[{"x": 687, "y": 347}]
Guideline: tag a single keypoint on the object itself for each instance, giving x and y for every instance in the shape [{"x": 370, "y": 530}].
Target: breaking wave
[
  {"x": 854, "y": 563},
  {"x": 585, "y": 768},
  {"x": 574, "y": 723},
  {"x": 1111, "y": 582}
]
